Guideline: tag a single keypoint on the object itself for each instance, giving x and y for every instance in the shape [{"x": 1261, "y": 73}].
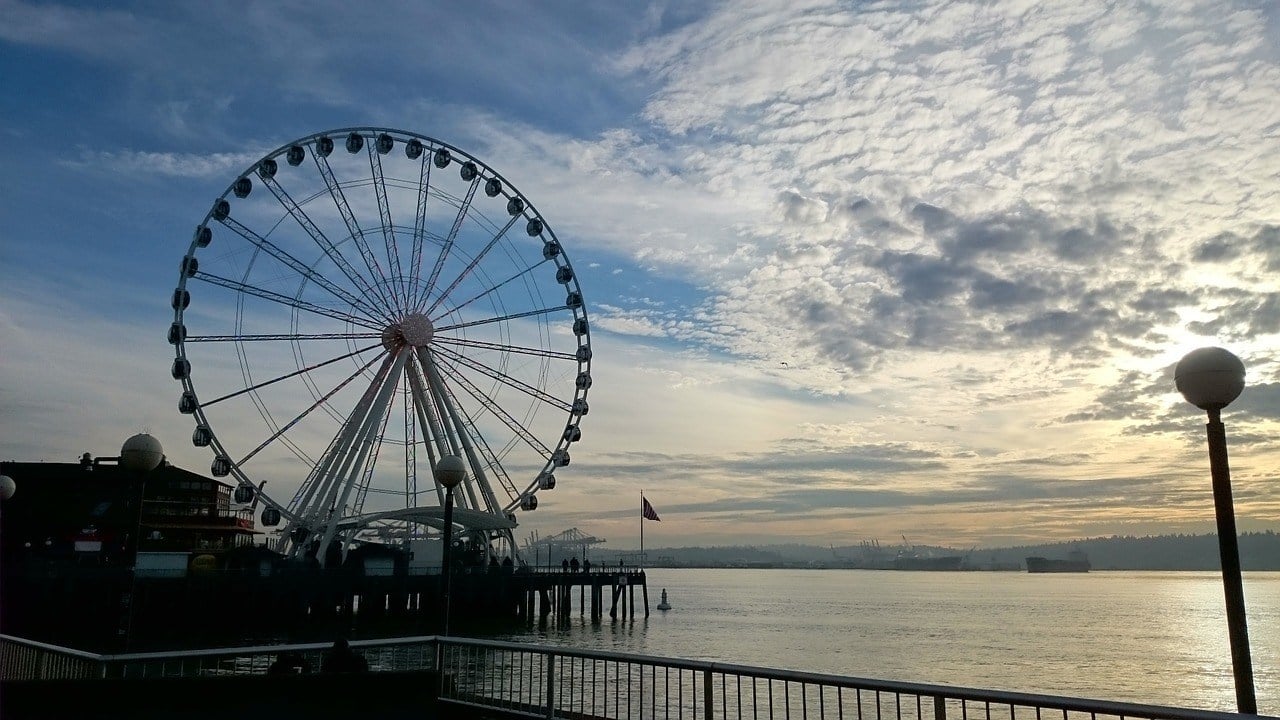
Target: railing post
[
  {"x": 551, "y": 685},
  {"x": 439, "y": 668},
  {"x": 706, "y": 695},
  {"x": 939, "y": 708}
]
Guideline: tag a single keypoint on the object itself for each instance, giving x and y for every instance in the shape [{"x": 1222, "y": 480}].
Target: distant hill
[{"x": 1259, "y": 551}]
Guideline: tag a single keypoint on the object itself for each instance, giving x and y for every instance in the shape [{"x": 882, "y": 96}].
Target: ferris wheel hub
[{"x": 415, "y": 329}]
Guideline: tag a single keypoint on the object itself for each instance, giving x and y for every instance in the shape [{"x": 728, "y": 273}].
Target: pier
[
  {"x": 553, "y": 594},
  {"x": 114, "y": 610}
]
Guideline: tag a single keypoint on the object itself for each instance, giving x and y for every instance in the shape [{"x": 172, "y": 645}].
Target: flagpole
[{"x": 641, "y": 528}]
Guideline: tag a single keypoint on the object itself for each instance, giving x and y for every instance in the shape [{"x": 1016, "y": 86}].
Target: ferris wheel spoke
[
  {"x": 298, "y": 266},
  {"x": 330, "y": 250},
  {"x": 301, "y": 416},
  {"x": 482, "y": 345},
  {"x": 296, "y": 373},
  {"x": 472, "y": 265},
  {"x": 281, "y": 336},
  {"x": 505, "y": 379},
  {"x": 495, "y": 467},
  {"x": 501, "y": 285},
  {"x": 463, "y": 208},
  {"x": 379, "y": 278},
  {"x": 419, "y": 227},
  {"x": 493, "y": 409},
  {"x": 263, "y": 411},
  {"x": 283, "y": 299},
  {"x": 388, "y": 229},
  {"x": 502, "y": 318}
]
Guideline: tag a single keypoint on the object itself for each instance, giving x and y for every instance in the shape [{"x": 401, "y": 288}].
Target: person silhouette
[
  {"x": 573, "y": 564},
  {"x": 342, "y": 659}
]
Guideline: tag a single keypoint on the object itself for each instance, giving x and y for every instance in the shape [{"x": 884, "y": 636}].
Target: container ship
[{"x": 1076, "y": 562}]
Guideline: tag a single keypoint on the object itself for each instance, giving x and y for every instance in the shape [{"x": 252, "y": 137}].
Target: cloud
[{"x": 183, "y": 165}]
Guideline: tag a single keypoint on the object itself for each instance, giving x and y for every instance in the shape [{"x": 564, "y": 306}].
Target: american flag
[{"x": 647, "y": 511}]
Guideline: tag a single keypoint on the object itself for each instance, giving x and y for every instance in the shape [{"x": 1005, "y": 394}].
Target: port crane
[{"x": 569, "y": 543}]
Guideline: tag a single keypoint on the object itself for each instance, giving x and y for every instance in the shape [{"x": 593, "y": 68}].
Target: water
[{"x": 1149, "y": 637}]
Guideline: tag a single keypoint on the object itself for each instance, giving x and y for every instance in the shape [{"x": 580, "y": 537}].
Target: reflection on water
[{"x": 1152, "y": 637}]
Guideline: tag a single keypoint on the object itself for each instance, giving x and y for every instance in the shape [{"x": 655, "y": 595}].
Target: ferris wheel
[{"x": 360, "y": 303}]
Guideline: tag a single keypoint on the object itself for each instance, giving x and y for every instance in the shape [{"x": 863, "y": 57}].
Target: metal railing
[
  {"x": 29, "y": 660},
  {"x": 525, "y": 680},
  {"x": 540, "y": 681},
  {"x": 22, "y": 659}
]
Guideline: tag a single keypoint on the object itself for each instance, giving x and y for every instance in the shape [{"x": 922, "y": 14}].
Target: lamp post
[
  {"x": 1210, "y": 378},
  {"x": 450, "y": 471},
  {"x": 139, "y": 455},
  {"x": 7, "y": 488}
]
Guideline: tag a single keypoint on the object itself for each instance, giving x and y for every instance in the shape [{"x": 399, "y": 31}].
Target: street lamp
[
  {"x": 139, "y": 455},
  {"x": 7, "y": 488},
  {"x": 1210, "y": 378},
  {"x": 450, "y": 471}
]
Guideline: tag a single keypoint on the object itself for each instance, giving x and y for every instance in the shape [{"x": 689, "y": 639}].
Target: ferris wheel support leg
[
  {"x": 313, "y": 505},
  {"x": 437, "y": 446},
  {"x": 450, "y": 442},
  {"x": 305, "y": 503},
  {"x": 477, "y": 477},
  {"x": 305, "y": 506},
  {"x": 353, "y": 466},
  {"x": 308, "y": 508},
  {"x": 481, "y": 478}
]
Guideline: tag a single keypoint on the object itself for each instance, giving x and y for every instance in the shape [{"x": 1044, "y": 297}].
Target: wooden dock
[{"x": 551, "y": 593}]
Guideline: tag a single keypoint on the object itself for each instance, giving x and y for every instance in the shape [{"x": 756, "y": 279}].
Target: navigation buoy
[{"x": 664, "y": 605}]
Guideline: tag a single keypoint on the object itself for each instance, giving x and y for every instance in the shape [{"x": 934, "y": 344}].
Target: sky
[{"x": 908, "y": 272}]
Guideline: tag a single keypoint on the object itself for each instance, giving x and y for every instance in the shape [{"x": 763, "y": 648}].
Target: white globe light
[
  {"x": 1209, "y": 378},
  {"x": 7, "y": 487},
  {"x": 450, "y": 471},
  {"x": 141, "y": 453}
]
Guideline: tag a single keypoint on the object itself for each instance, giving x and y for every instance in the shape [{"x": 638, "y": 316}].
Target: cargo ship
[
  {"x": 916, "y": 562},
  {"x": 1076, "y": 562}
]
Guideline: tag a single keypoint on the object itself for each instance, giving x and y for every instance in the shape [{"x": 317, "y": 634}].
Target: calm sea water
[{"x": 1150, "y": 637}]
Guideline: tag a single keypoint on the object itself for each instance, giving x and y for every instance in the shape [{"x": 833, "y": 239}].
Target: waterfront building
[{"x": 97, "y": 512}]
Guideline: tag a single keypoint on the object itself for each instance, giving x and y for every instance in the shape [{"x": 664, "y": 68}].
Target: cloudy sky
[{"x": 855, "y": 270}]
